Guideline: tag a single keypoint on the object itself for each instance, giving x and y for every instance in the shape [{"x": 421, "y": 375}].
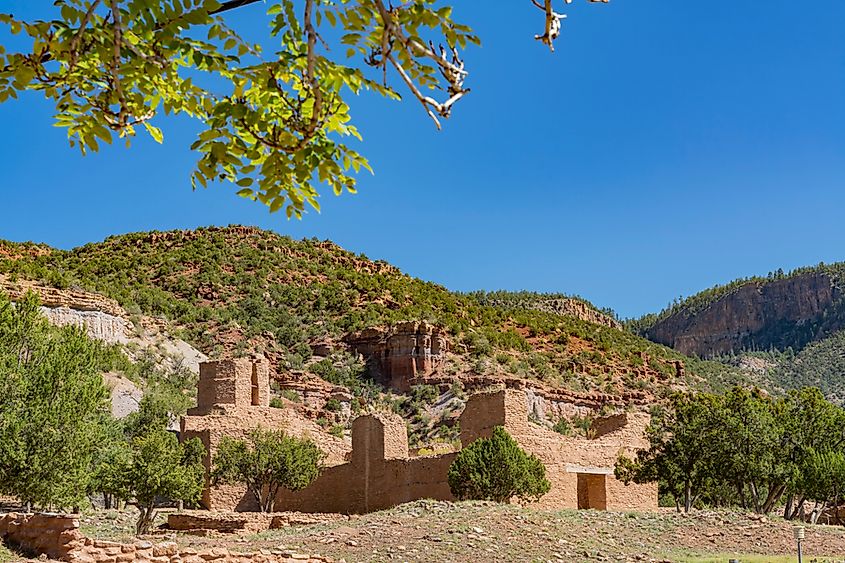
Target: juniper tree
[
  {"x": 266, "y": 462},
  {"x": 53, "y": 407},
  {"x": 497, "y": 469}
]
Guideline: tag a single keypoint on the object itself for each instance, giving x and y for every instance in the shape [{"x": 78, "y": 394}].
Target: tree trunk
[
  {"x": 774, "y": 494},
  {"x": 787, "y": 508},
  {"x": 755, "y": 496},
  {"x": 687, "y": 497},
  {"x": 145, "y": 518}
]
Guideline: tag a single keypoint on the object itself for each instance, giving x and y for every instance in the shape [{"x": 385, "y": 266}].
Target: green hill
[
  {"x": 239, "y": 290},
  {"x": 786, "y": 329}
]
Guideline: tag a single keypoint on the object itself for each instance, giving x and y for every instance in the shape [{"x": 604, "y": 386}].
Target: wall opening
[
  {"x": 255, "y": 393},
  {"x": 592, "y": 491}
]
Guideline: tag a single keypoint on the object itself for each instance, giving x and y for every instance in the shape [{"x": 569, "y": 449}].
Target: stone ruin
[
  {"x": 233, "y": 398},
  {"x": 400, "y": 353},
  {"x": 379, "y": 472}
]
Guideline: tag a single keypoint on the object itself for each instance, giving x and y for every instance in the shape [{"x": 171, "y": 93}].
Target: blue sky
[{"x": 665, "y": 147}]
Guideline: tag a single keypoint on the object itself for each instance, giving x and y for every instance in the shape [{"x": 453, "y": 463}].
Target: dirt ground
[{"x": 434, "y": 531}]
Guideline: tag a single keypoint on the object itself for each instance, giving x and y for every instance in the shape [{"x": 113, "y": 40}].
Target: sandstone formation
[
  {"x": 402, "y": 352},
  {"x": 755, "y": 315},
  {"x": 379, "y": 472},
  {"x": 104, "y": 319},
  {"x": 564, "y": 307}
]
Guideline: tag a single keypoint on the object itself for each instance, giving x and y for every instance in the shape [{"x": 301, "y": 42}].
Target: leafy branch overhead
[{"x": 274, "y": 123}]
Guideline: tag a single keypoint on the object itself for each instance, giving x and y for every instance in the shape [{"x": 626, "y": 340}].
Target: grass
[{"x": 7, "y": 556}]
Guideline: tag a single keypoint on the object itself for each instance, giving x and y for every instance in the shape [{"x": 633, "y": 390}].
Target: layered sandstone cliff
[
  {"x": 759, "y": 314},
  {"x": 566, "y": 307}
]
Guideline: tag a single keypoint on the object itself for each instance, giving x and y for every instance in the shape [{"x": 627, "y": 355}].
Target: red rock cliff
[{"x": 757, "y": 314}]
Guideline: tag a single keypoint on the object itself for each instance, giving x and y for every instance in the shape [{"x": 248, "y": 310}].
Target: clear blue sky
[{"x": 665, "y": 147}]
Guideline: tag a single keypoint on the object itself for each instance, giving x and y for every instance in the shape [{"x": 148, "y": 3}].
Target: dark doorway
[{"x": 592, "y": 491}]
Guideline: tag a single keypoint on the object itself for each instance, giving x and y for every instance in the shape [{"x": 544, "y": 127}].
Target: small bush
[
  {"x": 291, "y": 395},
  {"x": 277, "y": 403},
  {"x": 336, "y": 431},
  {"x": 562, "y": 426},
  {"x": 497, "y": 469},
  {"x": 333, "y": 405}
]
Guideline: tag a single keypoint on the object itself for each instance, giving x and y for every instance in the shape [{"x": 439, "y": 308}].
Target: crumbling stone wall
[
  {"x": 233, "y": 399},
  {"x": 568, "y": 460},
  {"x": 58, "y": 537},
  {"x": 379, "y": 472}
]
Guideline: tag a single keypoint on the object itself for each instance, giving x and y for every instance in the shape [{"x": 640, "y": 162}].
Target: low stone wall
[
  {"x": 244, "y": 522},
  {"x": 58, "y": 537}
]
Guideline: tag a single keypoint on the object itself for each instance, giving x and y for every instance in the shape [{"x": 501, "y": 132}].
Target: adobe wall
[
  {"x": 379, "y": 473},
  {"x": 58, "y": 537},
  {"x": 228, "y": 404},
  {"x": 565, "y": 457}
]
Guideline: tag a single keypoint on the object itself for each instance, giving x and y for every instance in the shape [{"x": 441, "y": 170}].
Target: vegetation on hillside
[
  {"x": 689, "y": 306},
  {"x": 820, "y": 364},
  {"x": 240, "y": 289}
]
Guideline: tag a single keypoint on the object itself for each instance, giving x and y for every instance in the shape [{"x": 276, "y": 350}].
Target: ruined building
[
  {"x": 233, "y": 397},
  {"x": 379, "y": 472}
]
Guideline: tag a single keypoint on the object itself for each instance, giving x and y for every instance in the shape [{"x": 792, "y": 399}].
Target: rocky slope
[
  {"x": 241, "y": 291},
  {"x": 756, "y": 315}
]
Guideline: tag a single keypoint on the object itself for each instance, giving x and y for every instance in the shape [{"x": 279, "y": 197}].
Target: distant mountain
[{"x": 796, "y": 318}]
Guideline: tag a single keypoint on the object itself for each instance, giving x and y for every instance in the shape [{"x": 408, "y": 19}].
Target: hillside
[
  {"x": 785, "y": 328},
  {"x": 242, "y": 291}
]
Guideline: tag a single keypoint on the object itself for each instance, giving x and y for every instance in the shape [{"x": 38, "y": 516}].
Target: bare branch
[
  {"x": 231, "y": 5},
  {"x": 74, "y": 43}
]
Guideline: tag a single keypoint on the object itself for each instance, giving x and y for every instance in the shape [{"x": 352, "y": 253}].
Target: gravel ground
[{"x": 435, "y": 531}]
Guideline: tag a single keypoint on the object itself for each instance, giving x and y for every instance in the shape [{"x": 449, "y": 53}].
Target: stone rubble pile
[{"x": 58, "y": 537}]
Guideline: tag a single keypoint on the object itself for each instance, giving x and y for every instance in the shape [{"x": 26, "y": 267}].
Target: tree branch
[{"x": 231, "y": 5}]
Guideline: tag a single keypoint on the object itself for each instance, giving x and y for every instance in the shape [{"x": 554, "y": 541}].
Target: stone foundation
[
  {"x": 58, "y": 537},
  {"x": 244, "y": 522}
]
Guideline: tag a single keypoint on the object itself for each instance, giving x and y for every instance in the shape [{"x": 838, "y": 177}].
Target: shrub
[
  {"x": 291, "y": 395},
  {"x": 267, "y": 462},
  {"x": 277, "y": 403},
  {"x": 497, "y": 469},
  {"x": 562, "y": 426},
  {"x": 333, "y": 405}
]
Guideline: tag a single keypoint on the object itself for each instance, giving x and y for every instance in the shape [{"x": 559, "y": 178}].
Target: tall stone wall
[
  {"x": 379, "y": 473},
  {"x": 232, "y": 400}
]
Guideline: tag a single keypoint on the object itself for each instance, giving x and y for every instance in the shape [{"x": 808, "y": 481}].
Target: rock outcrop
[
  {"x": 402, "y": 352},
  {"x": 566, "y": 307},
  {"x": 780, "y": 313}
]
